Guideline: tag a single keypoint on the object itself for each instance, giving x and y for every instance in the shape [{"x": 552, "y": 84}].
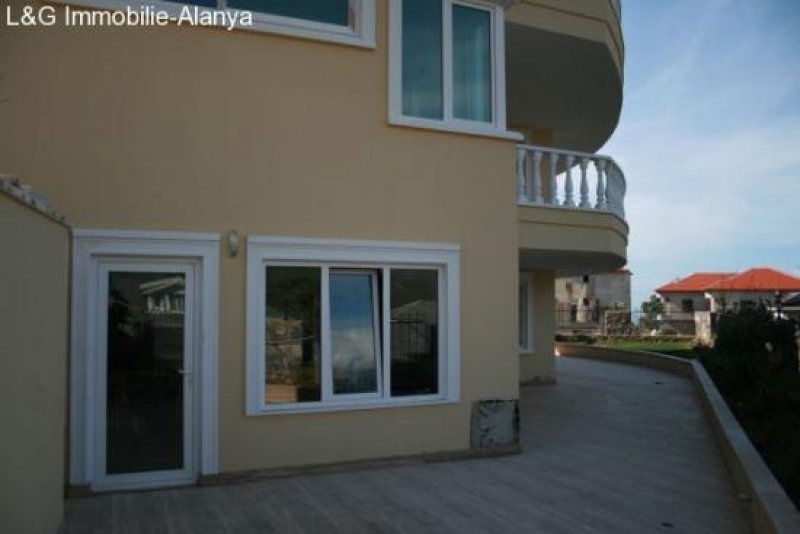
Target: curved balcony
[
  {"x": 564, "y": 70},
  {"x": 571, "y": 211}
]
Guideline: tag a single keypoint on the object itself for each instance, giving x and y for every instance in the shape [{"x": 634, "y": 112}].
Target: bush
[{"x": 754, "y": 363}]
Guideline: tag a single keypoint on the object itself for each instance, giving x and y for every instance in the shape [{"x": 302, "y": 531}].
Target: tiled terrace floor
[{"x": 610, "y": 448}]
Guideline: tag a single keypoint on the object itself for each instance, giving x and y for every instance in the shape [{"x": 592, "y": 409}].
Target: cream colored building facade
[{"x": 300, "y": 169}]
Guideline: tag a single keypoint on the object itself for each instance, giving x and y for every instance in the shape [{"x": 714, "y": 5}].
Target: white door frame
[
  {"x": 91, "y": 249},
  {"x": 99, "y": 313}
]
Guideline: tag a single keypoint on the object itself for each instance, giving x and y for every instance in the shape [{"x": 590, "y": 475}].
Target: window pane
[
  {"x": 523, "y": 315},
  {"x": 201, "y": 3},
  {"x": 472, "y": 64},
  {"x": 414, "y": 332},
  {"x": 422, "y": 58},
  {"x": 353, "y": 332},
  {"x": 293, "y": 335},
  {"x": 330, "y": 11}
]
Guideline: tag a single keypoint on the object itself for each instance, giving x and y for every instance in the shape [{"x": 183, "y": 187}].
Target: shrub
[{"x": 754, "y": 363}]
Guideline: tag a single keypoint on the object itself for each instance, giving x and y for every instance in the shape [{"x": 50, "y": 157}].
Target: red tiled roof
[
  {"x": 694, "y": 283},
  {"x": 759, "y": 279}
]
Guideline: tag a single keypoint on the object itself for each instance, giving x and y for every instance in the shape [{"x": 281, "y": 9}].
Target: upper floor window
[
  {"x": 327, "y": 11},
  {"x": 341, "y": 21},
  {"x": 447, "y": 65},
  {"x": 526, "y": 312}
]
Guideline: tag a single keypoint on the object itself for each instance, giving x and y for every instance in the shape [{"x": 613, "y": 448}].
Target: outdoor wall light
[{"x": 233, "y": 243}]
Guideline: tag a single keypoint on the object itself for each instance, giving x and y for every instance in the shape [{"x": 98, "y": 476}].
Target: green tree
[{"x": 651, "y": 308}]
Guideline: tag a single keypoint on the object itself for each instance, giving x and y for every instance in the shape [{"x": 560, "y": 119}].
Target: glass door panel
[{"x": 146, "y": 346}]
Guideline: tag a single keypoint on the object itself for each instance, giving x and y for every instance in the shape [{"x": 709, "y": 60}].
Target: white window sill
[
  {"x": 459, "y": 127},
  {"x": 262, "y": 22},
  {"x": 316, "y": 407}
]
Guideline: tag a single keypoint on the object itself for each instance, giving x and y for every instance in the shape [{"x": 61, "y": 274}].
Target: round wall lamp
[{"x": 233, "y": 243}]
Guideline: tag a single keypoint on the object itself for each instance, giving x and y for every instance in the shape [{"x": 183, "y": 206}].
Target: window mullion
[
  {"x": 442, "y": 331},
  {"x": 498, "y": 68},
  {"x": 377, "y": 314},
  {"x": 222, "y": 4},
  {"x": 386, "y": 339},
  {"x": 447, "y": 59},
  {"x": 326, "y": 367}
]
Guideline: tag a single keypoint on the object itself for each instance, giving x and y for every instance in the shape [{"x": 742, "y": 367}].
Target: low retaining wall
[{"x": 770, "y": 509}]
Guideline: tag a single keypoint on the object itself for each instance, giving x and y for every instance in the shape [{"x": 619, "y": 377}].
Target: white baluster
[
  {"x": 621, "y": 187},
  {"x": 568, "y": 189},
  {"x": 522, "y": 175},
  {"x": 611, "y": 187},
  {"x": 553, "y": 181},
  {"x": 600, "y": 165},
  {"x": 584, "y": 184},
  {"x": 537, "y": 177}
]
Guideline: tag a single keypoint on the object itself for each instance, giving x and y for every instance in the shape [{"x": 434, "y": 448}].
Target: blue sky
[{"x": 709, "y": 137}]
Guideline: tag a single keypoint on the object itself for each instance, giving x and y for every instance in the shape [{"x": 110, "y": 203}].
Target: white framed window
[
  {"x": 343, "y": 324},
  {"x": 525, "y": 312},
  {"x": 350, "y": 22},
  {"x": 447, "y": 66}
]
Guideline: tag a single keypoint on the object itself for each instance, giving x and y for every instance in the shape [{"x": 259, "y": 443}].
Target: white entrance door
[{"x": 147, "y": 318}]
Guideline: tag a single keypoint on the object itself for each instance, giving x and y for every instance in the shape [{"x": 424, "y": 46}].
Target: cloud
[{"x": 710, "y": 138}]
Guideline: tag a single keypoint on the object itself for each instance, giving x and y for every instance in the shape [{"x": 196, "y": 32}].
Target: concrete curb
[{"x": 770, "y": 509}]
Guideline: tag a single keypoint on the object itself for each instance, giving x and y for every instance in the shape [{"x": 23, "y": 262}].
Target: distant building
[
  {"x": 717, "y": 292},
  {"x": 582, "y": 301}
]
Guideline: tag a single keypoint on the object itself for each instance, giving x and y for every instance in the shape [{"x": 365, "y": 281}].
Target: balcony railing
[{"x": 572, "y": 180}]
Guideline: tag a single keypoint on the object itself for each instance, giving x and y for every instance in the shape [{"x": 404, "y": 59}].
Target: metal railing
[{"x": 611, "y": 321}]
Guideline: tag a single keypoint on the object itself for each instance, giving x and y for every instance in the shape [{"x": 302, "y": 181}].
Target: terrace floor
[{"x": 610, "y": 448}]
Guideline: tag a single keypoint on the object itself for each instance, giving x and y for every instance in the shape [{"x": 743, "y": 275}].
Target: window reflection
[
  {"x": 422, "y": 58},
  {"x": 523, "y": 314},
  {"x": 328, "y": 11},
  {"x": 472, "y": 64},
  {"x": 415, "y": 332},
  {"x": 145, "y": 352},
  {"x": 293, "y": 335},
  {"x": 354, "y": 325}
]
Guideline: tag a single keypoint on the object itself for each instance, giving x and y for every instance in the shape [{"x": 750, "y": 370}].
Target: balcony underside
[
  {"x": 570, "y": 241},
  {"x": 565, "y": 84}
]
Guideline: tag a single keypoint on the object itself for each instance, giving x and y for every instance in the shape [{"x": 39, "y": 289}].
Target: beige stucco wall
[
  {"x": 539, "y": 365},
  {"x": 33, "y": 363},
  {"x": 205, "y": 130}
]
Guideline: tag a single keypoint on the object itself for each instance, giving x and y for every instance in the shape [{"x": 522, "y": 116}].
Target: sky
[{"x": 709, "y": 137}]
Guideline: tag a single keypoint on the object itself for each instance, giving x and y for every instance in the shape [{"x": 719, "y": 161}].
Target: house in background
[
  {"x": 354, "y": 212},
  {"x": 790, "y": 307},
  {"x": 690, "y": 301},
  {"x": 687, "y": 295},
  {"x": 582, "y": 302},
  {"x": 719, "y": 292}
]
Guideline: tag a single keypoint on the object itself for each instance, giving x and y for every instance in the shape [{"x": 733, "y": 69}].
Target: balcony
[
  {"x": 571, "y": 211},
  {"x": 564, "y": 70}
]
